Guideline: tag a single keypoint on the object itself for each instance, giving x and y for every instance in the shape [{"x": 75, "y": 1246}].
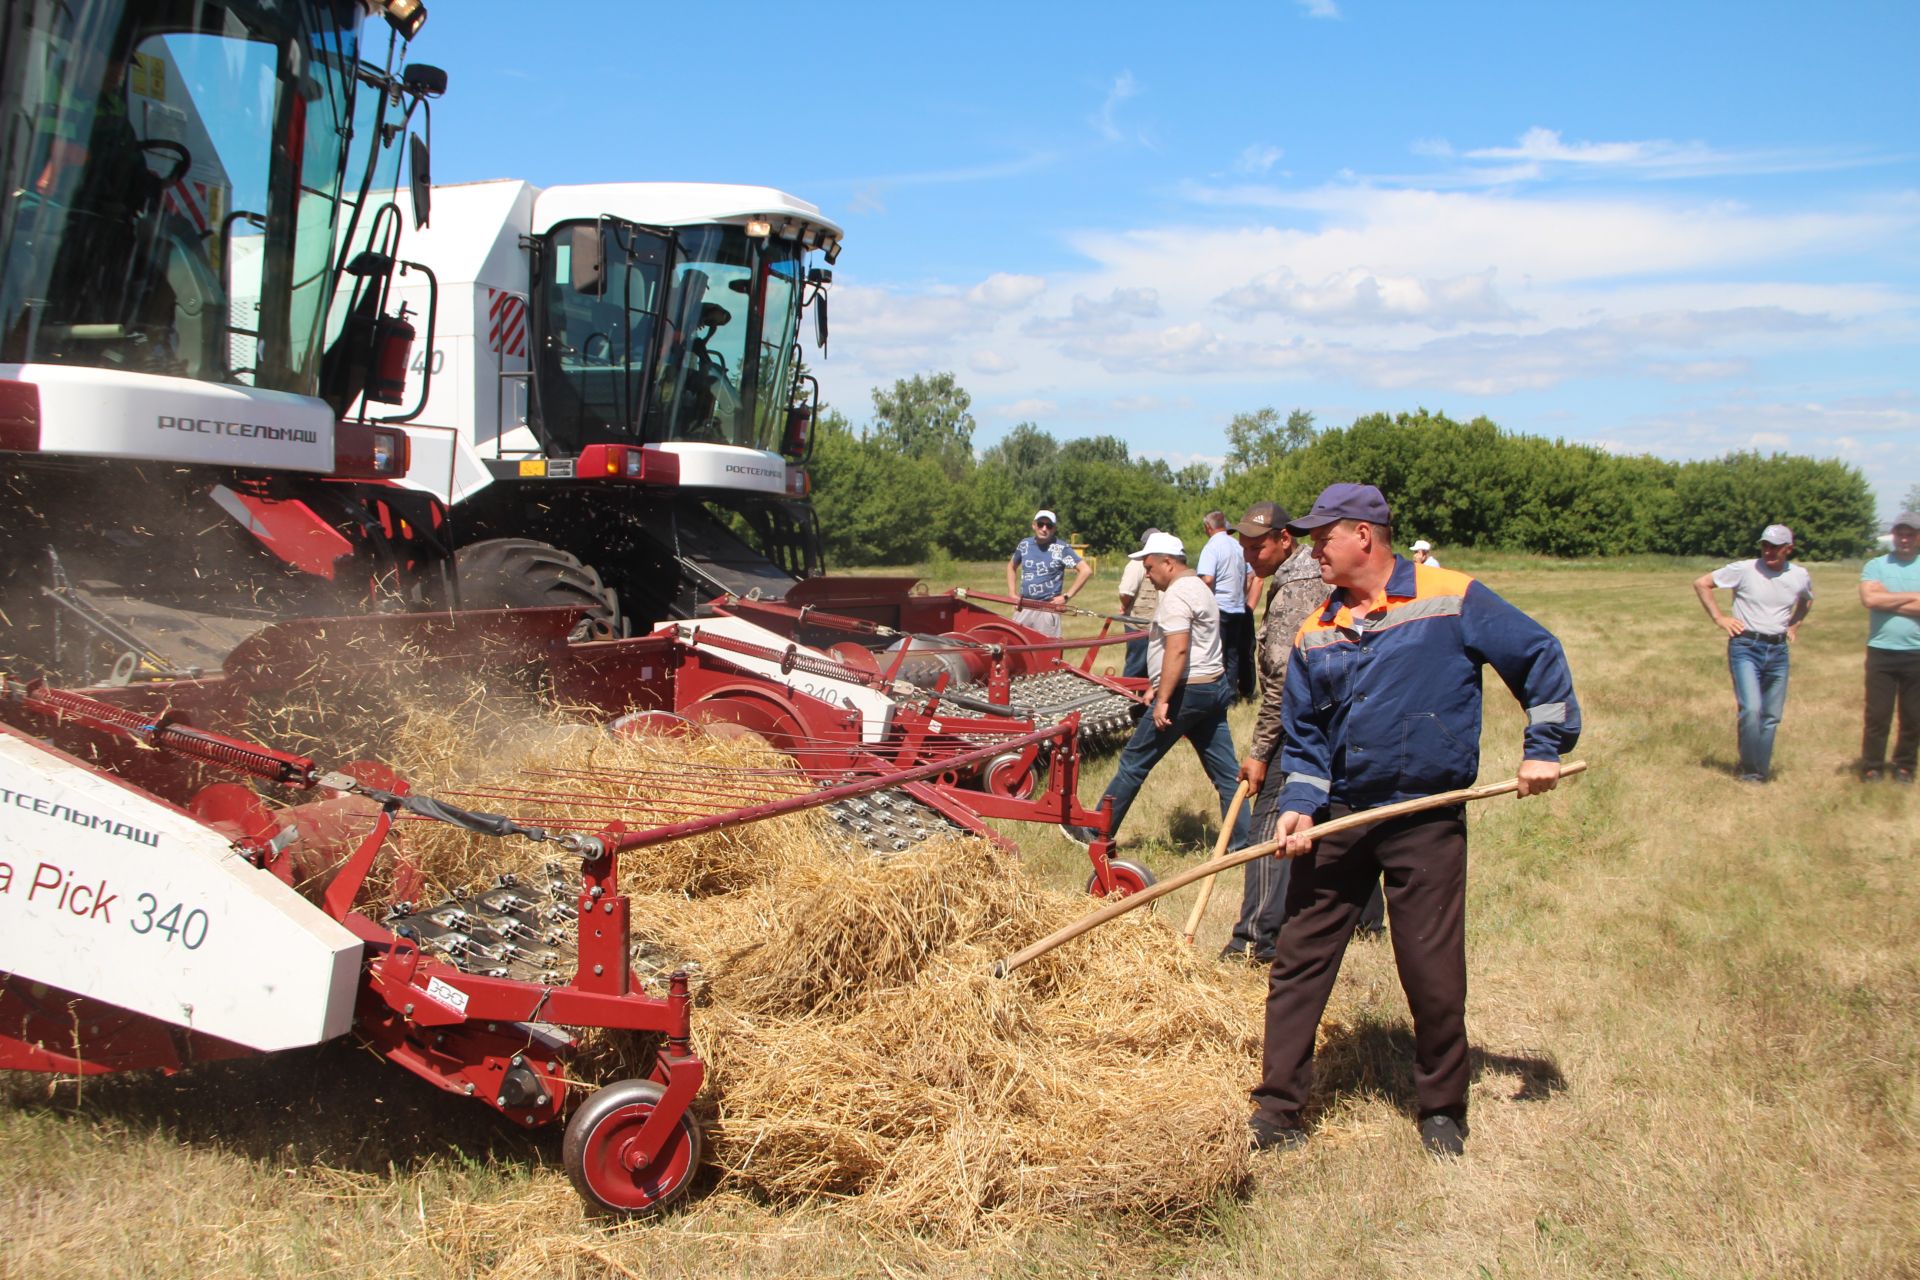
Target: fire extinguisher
[{"x": 392, "y": 345}]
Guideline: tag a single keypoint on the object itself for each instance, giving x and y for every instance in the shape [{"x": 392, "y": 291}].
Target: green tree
[
  {"x": 1258, "y": 440},
  {"x": 926, "y": 416},
  {"x": 875, "y": 505},
  {"x": 1912, "y": 501}
]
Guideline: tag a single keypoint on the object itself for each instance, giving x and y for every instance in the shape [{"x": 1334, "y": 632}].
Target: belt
[
  {"x": 1209, "y": 680},
  {"x": 1763, "y": 639}
]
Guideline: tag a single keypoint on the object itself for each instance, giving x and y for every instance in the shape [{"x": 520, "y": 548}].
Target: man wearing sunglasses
[{"x": 1037, "y": 571}]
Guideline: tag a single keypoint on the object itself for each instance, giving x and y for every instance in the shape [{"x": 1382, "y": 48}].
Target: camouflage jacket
[{"x": 1295, "y": 592}]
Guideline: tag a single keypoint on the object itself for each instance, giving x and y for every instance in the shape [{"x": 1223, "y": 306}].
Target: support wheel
[
  {"x": 1007, "y": 775},
  {"x": 1129, "y": 878},
  {"x": 521, "y": 573},
  {"x": 599, "y": 1136}
]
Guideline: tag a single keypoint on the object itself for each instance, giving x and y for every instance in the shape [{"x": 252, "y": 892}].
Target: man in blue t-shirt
[
  {"x": 1224, "y": 568},
  {"x": 1770, "y": 599},
  {"x": 1890, "y": 588},
  {"x": 1038, "y": 572}
]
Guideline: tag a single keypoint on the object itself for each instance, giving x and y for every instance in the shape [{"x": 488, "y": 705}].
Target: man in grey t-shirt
[
  {"x": 1190, "y": 692},
  {"x": 1770, "y": 599}
]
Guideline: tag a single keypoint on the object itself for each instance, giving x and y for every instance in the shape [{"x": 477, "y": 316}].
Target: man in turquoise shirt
[{"x": 1890, "y": 588}]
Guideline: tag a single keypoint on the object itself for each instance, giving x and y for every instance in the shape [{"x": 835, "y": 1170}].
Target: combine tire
[
  {"x": 599, "y": 1137},
  {"x": 519, "y": 573}
]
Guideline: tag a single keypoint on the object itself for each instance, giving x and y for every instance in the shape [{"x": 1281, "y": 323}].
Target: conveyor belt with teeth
[
  {"x": 889, "y": 821},
  {"x": 524, "y": 928},
  {"x": 1106, "y": 717}
]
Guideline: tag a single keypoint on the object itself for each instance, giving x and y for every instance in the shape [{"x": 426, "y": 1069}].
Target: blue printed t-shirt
[
  {"x": 1891, "y": 630},
  {"x": 1043, "y": 570},
  {"x": 1223, "y": 561}
]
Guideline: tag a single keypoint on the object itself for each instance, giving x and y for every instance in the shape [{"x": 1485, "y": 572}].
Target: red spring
[{"x": 196, "y": 744}]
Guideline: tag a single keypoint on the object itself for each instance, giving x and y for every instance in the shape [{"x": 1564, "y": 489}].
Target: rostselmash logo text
[
  {"x": 752, "y": 471},
  {"x": 241, "y": 430}
]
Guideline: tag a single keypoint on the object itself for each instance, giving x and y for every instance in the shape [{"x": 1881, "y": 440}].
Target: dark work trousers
[
  {"x": 1893, "y": 679},
  {"x": 1263, "y": 896},
  {"x": 1136, "y": 663},
  {"x": 1236, "y": 652},
  {"x": 1424, "y": 859}
]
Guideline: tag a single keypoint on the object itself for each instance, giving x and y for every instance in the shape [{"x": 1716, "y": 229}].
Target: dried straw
[{"x": 857, "y": 1046}]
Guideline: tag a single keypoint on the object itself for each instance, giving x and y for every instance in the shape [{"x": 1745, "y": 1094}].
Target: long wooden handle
[
  {"x": 1216, "y": 865},
  {"x": 1219, "y": 847}
]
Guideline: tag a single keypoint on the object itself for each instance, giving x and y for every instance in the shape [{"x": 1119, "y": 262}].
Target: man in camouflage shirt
[{"x": 1294, "y": 591}]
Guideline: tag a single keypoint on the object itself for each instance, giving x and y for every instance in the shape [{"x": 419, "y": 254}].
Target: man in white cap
[
  {"x": 1190, "y": 691},
  {"x": 1770, "y": 599},
  {"x": 1890, "y": 588},
  {"x": 1423, "y": 553},
  {"x": 1037, "y": 571}
]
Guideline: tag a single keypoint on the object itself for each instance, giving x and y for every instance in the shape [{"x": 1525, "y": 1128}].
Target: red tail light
[
  {"x": 19, "y": 416},
  {"x": 627, "y": 462}
]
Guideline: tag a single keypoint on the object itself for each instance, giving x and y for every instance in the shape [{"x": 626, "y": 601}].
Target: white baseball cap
[
  {"x": 1777, "y": 534},
  {"x": 1422, "y": 545},
  {"x": 1044, "y": 514},
  {"x": 1160, "y": 544}
]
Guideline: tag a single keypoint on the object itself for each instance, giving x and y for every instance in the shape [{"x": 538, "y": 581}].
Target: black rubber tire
[
  {"x": 590, "y": 1152},
  {"x": 520, "y": 573}
]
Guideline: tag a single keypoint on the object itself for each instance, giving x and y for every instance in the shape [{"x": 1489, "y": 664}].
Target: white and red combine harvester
[
  {"x": 616, "y": 412},
  {"x": 193, "y": 285}
]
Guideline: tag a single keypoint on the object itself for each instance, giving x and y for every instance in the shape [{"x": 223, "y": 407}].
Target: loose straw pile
[{"x": 857, "y": 1045}]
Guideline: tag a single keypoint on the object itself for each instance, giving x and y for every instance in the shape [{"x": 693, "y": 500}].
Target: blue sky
[{"x": 1668, "y": 228}]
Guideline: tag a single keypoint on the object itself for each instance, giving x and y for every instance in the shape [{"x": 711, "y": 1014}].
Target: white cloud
[
  {"x": 1087, "y": 317},
  {"x": 1258, "y": 158},
  {"x": 991, "y": 363},
  {"x": 1359, "y": 296},
  {"x": 1026, "y": 410},
  {"x": 1106, "y": 122},
  {"x": 1004, "y": 292},
  {"x": 1320, "y": 8},
  {"x": 1691, "y": 371}
]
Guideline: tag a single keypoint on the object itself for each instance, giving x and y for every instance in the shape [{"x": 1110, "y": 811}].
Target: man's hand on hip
[
  {"x": 1537, "y": 776},
  {"x": 1731, "y": 625}
]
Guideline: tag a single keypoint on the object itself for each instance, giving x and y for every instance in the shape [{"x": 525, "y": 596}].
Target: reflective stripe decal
[
  {"x": 1322, "y": 638},
  {"x": 1318, "y": 784},
  {"x": 1547, "y": 713}
]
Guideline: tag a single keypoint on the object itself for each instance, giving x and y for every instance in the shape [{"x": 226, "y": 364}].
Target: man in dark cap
[
  {"x": 1294, "y": 590},
  {"x": 1383, "y": 705},
  {"x": 1890, "y": 588}
]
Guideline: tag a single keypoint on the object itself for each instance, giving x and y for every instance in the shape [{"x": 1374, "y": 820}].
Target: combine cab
[
  {"x": 615, "y": 408},
  {"x": 185, "y": 203}
]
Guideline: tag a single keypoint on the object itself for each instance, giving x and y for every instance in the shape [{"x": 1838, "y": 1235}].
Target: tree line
[{"x": 910, "y": 485}]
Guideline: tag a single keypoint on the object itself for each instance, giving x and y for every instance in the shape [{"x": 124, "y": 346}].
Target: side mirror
[
  {"x": 420, "y": 170},
  {"x": 820, "y": 321},
  {"x": 586, "y": 261}
]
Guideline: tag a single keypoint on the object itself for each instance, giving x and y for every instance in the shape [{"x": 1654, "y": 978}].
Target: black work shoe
[
  {"x": 1443, "y": 1137},
  {"x": 1264, "y": 1133},
  {"x": 1082, "y": 836},
  {"x": 1872, "y": 773},
  {"x": 1903, "y": 776}
]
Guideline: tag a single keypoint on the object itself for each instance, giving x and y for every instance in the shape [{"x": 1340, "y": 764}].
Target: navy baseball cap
[{"x": 1345, "y": 502}]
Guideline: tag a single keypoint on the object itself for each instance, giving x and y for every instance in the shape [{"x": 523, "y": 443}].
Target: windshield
[
  {"x": 175, "y": 171},
  {"x": 598, "y": 299},
  {"x": 726, "y": 366}
]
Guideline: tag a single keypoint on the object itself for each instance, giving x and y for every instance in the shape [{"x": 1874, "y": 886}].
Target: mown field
[{"x": 1695, "y": 1007}]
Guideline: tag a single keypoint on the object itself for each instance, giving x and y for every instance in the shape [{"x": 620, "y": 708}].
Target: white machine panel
[
  {"x": 115, "y": 414},
  {"x": 875, "y": 708},
  {"x": 728, "y": 466},
  {"x": 112, "y": 895}
]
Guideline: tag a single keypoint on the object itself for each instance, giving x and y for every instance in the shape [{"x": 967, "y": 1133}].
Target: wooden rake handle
[
  {"x": 1239, "y": 856},
  {"x": 1219, "y": 847}
]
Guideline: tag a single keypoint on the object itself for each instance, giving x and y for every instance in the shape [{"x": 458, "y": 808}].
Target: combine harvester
[{"x": 199, "y": 305}]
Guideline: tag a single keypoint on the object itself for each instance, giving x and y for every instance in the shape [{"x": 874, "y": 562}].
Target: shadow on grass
[
  {"x": 1376, "y": 1060},
  {"x": 335, "y": 1105}
]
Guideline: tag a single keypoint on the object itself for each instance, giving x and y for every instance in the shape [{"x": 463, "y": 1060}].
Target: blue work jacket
[{"x": 1387, "y": 708}]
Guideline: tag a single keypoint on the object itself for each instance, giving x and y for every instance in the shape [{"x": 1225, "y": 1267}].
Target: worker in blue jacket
[{"x": 1383, "y": 705}]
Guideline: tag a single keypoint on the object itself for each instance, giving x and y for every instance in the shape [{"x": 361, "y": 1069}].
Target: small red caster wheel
[{"x": 599, "y": 1143}]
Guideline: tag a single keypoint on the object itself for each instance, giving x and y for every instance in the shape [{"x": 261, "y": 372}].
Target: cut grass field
[{"x": 1695, "y": 1009}]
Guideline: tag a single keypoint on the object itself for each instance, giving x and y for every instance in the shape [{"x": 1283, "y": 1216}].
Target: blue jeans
[
  {"x": 1136, "y": 664},
  {"x": 1760, "y": 692},
  {"x": 1198, "y": 713}
]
